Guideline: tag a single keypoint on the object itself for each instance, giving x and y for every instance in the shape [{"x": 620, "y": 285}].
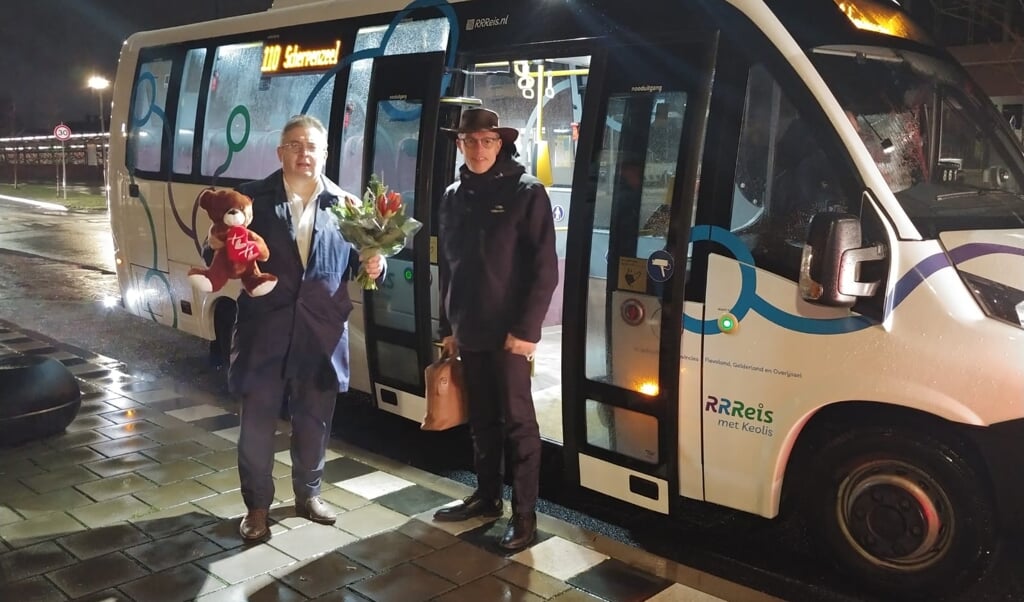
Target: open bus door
[
  {"x": 402, "y": 127},
  {"x": 626, "y": 270}
]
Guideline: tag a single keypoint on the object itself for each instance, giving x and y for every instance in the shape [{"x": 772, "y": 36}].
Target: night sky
[{"x": 51, "y": 47}]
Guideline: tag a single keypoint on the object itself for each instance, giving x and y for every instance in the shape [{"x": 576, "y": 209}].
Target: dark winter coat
[
  {"x": 496, "y": 260},
  {"x": 299, "y": 329}
]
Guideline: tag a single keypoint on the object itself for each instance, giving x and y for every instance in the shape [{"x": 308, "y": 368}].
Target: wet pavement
[{"x": 139, "y": 500}]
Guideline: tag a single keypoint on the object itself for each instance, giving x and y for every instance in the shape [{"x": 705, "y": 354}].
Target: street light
[{"x": 100, "y": 83}]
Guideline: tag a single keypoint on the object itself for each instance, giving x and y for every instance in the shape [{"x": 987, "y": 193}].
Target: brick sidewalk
[{"x": 139, "y": 500}]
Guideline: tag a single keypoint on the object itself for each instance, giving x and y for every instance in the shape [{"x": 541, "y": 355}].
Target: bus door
[
  {"x": 540, "y": 91},
  {"x": 402, "y": 126},
  {"x": 626, "y": 268}
]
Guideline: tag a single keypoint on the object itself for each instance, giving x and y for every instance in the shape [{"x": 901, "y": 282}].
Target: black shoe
[
  {"x": 474, "y": 505},
  {"x": 521, "y": 531}
]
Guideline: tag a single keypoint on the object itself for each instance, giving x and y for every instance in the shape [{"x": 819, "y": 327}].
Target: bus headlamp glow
[{"x": 870, "y": 15}]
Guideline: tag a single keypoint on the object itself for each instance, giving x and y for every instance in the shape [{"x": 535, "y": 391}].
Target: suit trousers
[
  {"x": 311, "y": 408},
  {"x": 501, "y": 412}
]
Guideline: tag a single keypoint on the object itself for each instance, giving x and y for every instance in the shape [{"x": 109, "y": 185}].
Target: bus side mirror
[{"x": 832, "y": 258}]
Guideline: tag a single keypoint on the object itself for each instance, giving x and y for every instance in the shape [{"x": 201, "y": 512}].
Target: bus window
[
  {"x": 782, "y": 177},
  {"x": 640, "y": 150},
  {"x": 246, "y": 108},
  {"x": 410, "y": 37},
  {"x": 543, "y": 99},
  {"x": 148, "y": 126},
  {"x": 188, "y": 105}
]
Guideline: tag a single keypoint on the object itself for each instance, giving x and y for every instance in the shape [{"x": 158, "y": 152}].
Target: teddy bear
[{"x": 236, "y": 249}]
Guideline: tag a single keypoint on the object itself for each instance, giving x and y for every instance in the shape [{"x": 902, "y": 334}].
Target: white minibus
[{"x": 790, "y": 240}]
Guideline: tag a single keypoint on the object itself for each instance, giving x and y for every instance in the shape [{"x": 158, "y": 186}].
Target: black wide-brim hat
[{"x": 482, "y": 120}]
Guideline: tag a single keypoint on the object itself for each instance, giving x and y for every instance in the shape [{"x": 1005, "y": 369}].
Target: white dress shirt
[{"x": 303, "y": 215}]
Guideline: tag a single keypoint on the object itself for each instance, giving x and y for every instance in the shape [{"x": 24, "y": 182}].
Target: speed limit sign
[{"x": 62, "y": 132}]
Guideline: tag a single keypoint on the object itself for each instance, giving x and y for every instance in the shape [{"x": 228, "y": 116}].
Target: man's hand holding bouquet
[{"x": 376, "y": 225}]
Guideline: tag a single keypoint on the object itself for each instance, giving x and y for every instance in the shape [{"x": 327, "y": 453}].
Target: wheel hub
[{"x": 894, "y": 515}]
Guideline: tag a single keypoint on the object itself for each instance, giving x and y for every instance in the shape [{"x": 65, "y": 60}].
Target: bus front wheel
[{"x": 902, "y": 511}]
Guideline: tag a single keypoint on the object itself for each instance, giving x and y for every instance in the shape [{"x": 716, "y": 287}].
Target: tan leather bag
[{"x": 446, "y": 398}]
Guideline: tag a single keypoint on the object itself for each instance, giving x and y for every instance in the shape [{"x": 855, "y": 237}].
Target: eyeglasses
[
  {"x": 483, "y": 142},
  {"x": 297, "y": 147}
]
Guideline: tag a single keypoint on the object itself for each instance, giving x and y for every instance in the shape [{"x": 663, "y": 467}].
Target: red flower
[{"x": 389, "y": 204}]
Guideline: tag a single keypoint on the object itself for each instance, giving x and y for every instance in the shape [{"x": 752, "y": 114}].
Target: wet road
[
  {"x": 55, "y": 275},
  {"x": 77, "y": 237}
]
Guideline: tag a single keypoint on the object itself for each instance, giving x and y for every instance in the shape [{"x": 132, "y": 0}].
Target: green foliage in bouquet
[{"x": 377, "y": 224}]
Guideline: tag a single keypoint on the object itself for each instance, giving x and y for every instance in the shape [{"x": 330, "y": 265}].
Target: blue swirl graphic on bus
[
  {"x": 368, "y": 53},
  {"x": 138, "y": 122},
  {"x": 234, "y": 147},
  {"x": 748, "y": 299}
]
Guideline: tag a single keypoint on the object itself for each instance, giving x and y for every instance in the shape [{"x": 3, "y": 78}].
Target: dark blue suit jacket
[{"x": 299, "y": 329}]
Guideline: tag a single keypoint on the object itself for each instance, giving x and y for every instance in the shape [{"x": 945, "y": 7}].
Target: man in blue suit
[{"x": 292, "y": 343}]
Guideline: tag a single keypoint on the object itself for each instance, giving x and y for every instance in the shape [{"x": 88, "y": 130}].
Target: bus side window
[
  {"x": 782, "y": 177},
  {"x": 245, "y": 110},
  {"x": 146, "y": 124},
  {"x": 188, "y": 105}
]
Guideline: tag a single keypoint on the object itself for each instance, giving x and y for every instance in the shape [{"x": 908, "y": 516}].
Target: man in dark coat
[
  {"x": 292, "y": 343},
  {"x": 498, "y": 270}
]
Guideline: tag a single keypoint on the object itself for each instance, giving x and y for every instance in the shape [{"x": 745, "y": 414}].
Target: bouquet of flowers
[{"x": 377, "y": 224}]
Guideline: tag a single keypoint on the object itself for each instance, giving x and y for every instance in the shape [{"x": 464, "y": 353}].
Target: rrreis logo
[{"x": 486, "y": 22}]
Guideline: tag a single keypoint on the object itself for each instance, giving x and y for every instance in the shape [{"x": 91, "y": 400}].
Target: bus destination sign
[{"x": 281, "y": 59}]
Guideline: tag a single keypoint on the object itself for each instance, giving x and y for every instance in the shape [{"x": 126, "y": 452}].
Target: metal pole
[
  {"x": 64, "y": 171},
  {"x": 101, "y": 152},
  {"x": 14, "y": 129}
]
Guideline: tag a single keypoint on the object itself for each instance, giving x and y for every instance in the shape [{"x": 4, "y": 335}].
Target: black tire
[
  {"x": 902, "y": 511},
  {"x": 38, "y": 397}
]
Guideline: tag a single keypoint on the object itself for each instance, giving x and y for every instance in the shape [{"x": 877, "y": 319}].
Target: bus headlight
[{"x": 997, "y": 300}]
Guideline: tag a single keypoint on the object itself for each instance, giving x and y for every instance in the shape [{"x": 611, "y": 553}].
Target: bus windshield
[{"x": 939, "y": 144}]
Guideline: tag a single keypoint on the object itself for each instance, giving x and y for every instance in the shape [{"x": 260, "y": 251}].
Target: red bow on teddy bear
[{"x": 236, "y": 249}]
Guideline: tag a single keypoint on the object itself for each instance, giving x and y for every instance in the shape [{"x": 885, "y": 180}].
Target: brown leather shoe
[
  {"x": 474, "y": 505},
  {"x": 521, "y": 531},
  {"x": 316, "y": 510},
  {"x": 254, "y": 526}
]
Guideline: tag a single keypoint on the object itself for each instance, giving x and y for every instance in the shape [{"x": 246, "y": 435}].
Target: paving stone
[
  {"x": 185, "y": 582},
  {"x": 407, "y": 582},
  {"x": 112, "y": 511},
  {"x": 37, "y": 589},
  {"x": 36, "y": 530},
  {"x": 172, "y": 551},
  {"x": 323, "y": 574},
  {"x": 121, "y": 464},
  {"x": 116, "y": 486},
  {"x": 97, "y": 542},
  {"x": 33, "y": 560},
  {"x": 33, "y": 506},
  {"x": 96, "y": 574}
]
